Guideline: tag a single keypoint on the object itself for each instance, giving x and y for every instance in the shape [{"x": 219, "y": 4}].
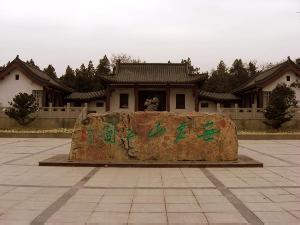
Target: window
[
  {"x": 77, "y": 104},
  {"x": 180, "y": 101},
  {"x": 38, "y": 95},
  {"x": 99, "y": 104},
  {"x": 288, "y": 78},
  {"x": 124, "y": 101},
  {"x": 17, "y": 77},
  {"x": 226, "y": 105},
  {"x": 204, "y": 105}
]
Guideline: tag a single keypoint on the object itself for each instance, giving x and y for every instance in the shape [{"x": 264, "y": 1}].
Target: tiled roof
[
  {"x": 37, "y": 75},
  {"x": 152, "y": 73},
  {"x": 266, "y": 75},
  {"x": 86, "y": 95},
  {"x": 218, "y": 96}
]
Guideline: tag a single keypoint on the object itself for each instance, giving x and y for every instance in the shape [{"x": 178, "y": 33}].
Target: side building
[
  {"x": 257, "y": 90},
  {"x": 18, "y": 77}
]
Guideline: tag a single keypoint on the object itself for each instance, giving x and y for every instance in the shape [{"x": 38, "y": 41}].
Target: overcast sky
[{"x": 71, "y": 32}]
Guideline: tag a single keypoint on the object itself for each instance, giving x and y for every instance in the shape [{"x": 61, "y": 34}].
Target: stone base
[{"x": 62, "y": 160}]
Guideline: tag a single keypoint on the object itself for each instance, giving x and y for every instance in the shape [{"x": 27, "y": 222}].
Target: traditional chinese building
[
  {"x": 19, "y": 76},
  {"x": 131, "y": 84},
  {"x": 257, "y": 90}
]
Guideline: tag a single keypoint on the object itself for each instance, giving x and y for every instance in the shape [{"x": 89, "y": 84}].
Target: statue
[{"x": 151, "y": 104}]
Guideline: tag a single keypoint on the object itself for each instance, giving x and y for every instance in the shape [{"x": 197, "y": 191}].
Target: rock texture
[{"x": 154, "y": 136}]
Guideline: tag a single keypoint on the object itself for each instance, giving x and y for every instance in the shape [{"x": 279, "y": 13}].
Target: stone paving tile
[
  {"x": 277, "y": 218},
  {"x": 225, "y": 218},
  {"x": 148, "y": 208},
  {"x": 69, "y": 217},
  {"x": 187, "y": 218},
  {"x": 148, "y": 199},
  {"x": 148, "y": 195},
  {"x": 113, "y": 207},
  {"x": 183, "y": 208},
  {"x": 218, "y": 207},
  {"x": 147, "y": 218},
  {"x": 180, "y": 199}
]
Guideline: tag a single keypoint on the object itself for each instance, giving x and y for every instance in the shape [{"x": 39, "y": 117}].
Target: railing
[
  {"x": 76, "y": 112},
  {"x": 59, "y": 112},
  {"x": 243, "y": 113}
]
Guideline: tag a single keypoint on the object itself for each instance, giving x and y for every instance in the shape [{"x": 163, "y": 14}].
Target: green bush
[
  {"x": 21, "y": 108},
  {"x": 279, "y": 110}
]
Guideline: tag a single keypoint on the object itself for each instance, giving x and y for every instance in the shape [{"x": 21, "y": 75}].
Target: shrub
[
  {"x": 282, "y": 98},
  {"x": 21, "y": 108}
]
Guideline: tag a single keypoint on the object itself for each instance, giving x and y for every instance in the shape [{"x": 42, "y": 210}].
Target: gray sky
[{"x": 62, "y": 32}]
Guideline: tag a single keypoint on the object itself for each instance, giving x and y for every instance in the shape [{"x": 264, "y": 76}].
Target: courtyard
[{"x": 30, "y": 194}]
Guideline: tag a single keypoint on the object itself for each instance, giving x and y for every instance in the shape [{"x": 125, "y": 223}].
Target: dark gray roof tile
[{"x": 153, "y": 73}]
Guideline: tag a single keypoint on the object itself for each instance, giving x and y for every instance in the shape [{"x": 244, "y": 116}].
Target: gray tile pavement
[{"x": 30, "y": 194}]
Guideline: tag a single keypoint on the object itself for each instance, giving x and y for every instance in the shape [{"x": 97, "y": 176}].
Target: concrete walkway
[{"x": 60, "y": 195}]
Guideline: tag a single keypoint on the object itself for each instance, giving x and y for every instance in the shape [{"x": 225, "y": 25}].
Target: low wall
[
  {"x": 39, "y": 123},
  {"x": 258, "y": 125},
  {"x": 55, "y": 123}
]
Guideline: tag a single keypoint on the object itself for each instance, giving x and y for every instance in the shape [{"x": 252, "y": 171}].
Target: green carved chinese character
[
  {"x": 129, "y": 134},
  {"x": 180, "y": 132},
  {"x": 156, "y": 131},
  {"x": 209, "y": 132},
  {"x": 109, "y": 133},
  {"x": 90, "y": 136}
]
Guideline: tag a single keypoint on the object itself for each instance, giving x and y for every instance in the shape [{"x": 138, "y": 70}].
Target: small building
[
  {"x": 210, "y": 101},
  {"x": 18, "y": 77},
  {"x": 95, "y": 101},
  {"x": 132, "y": 84},
  {"x": 257, "y": 90}
]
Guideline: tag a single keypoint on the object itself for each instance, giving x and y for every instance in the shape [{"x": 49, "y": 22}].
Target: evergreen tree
[
  {"x": 239, "y": 74},
  {"x": 22, "y": 108},
  {"x": 83, "y": 81},
  {"x": 50, "y": 70},
  {"x": 69, "y": 77},
  {"x": 103, "y": 67},
  {"x": 192, "y": 69},
  {"x": 282, "y": 98},
  {"x": 32, "y": 63},
  {"x": 90, "y": 70},
  {"x": 219, "y": 79},
  {"x": 252, "y": 69}
]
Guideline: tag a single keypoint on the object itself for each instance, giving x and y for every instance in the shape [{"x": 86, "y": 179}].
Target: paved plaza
[{"x": 30, "y": 194}]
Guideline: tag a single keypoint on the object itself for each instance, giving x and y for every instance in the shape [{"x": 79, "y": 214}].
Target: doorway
[{"x": 143, "y": 95}]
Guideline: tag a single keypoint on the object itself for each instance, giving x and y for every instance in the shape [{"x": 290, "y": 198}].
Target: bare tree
[{"x": 124, "y": 58}]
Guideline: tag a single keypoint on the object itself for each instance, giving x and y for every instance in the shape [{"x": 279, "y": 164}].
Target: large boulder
[{"x": 158, "y": 136}]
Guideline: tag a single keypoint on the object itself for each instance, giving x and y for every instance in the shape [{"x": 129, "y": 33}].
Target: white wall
[
  {"x": 282, "y": 79},
  {"x": 92, "y": 106},
  {"x": 9, "y": 87},
  {"x": 189, "y": 99},
  {"x": 212, "y": 106},
  {"x": 115, "y": 100}
]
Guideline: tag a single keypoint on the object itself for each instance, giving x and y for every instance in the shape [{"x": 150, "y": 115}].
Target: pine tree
[
  {"x": 90, "y": 70},
  {"x": 32, "y": 63},
  {"x": 252, "y": 69},
  {"x": 282, "y": 98},
  {"x": 21, "y": 108},
  {"x": 50, "y": 70},
  {"x": 239, "y": 74},
  {"x": 69, "y": 77},
  {"x": 219, "y": 79},
  {"x": 103, "y": 67}
]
